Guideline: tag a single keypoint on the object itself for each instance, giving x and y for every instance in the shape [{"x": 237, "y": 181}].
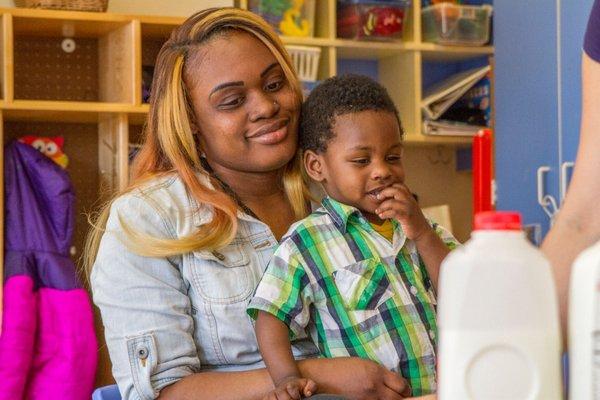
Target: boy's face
[{"x": 364, "y": 157}]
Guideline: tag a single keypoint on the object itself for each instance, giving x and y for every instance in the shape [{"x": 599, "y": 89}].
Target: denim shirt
[{"x": 166, "y": 318}]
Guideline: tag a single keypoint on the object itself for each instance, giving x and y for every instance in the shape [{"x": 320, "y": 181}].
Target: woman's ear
[
  {"x": 314, "y": 166},
  {"x": 194, "y": 126}
]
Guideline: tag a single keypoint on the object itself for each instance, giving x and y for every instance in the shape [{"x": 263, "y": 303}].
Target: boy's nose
[{"x": 381, "y": 172}]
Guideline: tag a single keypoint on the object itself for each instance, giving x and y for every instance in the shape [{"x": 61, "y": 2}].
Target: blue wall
[{"x": 527, "y": 97}]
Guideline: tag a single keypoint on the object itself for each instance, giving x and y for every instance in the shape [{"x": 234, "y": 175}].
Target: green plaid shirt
[{"x": 355, "y": 293}]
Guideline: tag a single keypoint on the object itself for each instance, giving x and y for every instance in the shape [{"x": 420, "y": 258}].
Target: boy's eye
[
  {"x": 361, "y": 161},
  {"x": 394, "y": 158}
]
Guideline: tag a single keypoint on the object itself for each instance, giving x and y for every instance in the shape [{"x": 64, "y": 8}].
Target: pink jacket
[{"x": 48, "y": 348}]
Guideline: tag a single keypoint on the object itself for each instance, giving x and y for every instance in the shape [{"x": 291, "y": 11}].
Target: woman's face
[{"x": 245, "y": 109}]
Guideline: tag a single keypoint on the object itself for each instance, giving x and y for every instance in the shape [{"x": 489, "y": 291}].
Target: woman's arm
[
  {"x": 145, "y": 308},
  {"x": 578, "y": 223},
  {"x": 354, "y": 378}
]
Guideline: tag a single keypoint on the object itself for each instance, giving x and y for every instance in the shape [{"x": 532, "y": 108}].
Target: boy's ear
[{"x": 313, "y": 164}]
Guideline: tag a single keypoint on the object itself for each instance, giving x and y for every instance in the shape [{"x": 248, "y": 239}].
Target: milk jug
[
  {"x": 498, "y": 317},
  {"x": 584, "y": 326}
]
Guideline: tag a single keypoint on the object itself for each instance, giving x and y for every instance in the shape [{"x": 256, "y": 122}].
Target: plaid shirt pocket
[{"x": 363, "y": 285}]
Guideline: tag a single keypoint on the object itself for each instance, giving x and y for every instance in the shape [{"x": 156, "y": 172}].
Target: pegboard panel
[
  {"x": 44, "y": 71},
  {"x": 81, "y": 146},
  {"x": 135, "y": 134},
  {"x": 150, "y": 49}
]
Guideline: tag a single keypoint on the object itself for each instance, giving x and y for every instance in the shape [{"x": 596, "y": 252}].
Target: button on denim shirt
[{"x": 166, "y": 318}]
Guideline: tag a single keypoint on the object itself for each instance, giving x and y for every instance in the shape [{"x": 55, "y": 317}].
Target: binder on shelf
[
  {"x": 450, "y": 128},
  {"x": 441, "y": 96}
]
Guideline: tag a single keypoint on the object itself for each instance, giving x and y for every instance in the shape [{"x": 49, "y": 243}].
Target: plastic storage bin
[
  {"x": 306, "y": 61},
  {"x": 288, "y": 17},
  {"x": 371, "y": 20},
  {"x": 451, "y": 24}
]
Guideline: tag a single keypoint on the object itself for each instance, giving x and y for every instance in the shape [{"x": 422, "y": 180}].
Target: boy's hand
[
  {"x": 398, "y": 202},
  {"x": 292, "y": 388}
]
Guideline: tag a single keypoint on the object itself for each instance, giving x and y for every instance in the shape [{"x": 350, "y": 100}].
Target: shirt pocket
[
  {"x": 364, "y": 285},
  {"x": 223, "y": 276}
]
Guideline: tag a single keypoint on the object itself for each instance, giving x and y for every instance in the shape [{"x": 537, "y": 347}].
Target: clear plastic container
[
  {"x": 371, "y": 20},
  {"x": 498, "y": 317},
  {"x": 288, "y": 17},
  {"x": 451, "y": 24}
]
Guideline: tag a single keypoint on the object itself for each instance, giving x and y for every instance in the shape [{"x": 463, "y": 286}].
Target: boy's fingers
[
  {"x": 389, "y": 215},
  {"x": 310, "y": 387},
  {"x": 293, "y": 390},
  {"x": 397, "y": 190},
  {"x": 392, "y": 204},
  {"x": 392, "y": 209},
  {"x": 396, "y": 383},
  {"x": 389, "y": 394}
]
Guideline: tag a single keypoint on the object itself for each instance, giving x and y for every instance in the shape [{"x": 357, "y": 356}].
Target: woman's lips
[
  {"x": 271, "y": 133},
  {"x": 272, "y": 137}
]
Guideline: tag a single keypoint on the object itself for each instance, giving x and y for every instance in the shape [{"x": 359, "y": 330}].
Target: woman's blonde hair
[{"x": 170, "y": 145}]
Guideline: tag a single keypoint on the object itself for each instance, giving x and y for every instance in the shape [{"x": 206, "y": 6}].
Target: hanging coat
[{"x": 48, "y": 348}]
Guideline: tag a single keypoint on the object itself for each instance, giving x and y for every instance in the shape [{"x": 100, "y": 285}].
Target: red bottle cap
[{"x": 498, "y": 220}]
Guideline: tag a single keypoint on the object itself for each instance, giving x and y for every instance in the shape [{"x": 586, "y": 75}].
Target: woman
[{"x": 177, "y": 256}]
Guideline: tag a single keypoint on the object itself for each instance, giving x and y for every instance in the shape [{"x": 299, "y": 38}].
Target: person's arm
[
  {"x": 351, "y": 377},
  {"x": 144, "y": 304},
  {"x": 275, "y": 348},
  {"x": 399, "y": 203},
  {"x": 578, "y": 223},
  {"x": 432, "y": 250}
]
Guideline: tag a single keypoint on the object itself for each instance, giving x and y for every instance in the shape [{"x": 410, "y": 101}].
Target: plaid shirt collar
[{"x": 342, "y": 214}]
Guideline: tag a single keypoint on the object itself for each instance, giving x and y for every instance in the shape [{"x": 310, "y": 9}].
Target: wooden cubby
[
  {"x": 399, "y": 63},
  {"x": 93, "y": 97}
]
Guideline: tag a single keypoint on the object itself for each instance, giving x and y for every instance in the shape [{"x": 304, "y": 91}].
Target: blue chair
[{"x": 107, "y": 393}]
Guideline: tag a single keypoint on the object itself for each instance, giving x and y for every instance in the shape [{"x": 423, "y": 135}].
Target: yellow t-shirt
[{"x": 386, "y": 229}]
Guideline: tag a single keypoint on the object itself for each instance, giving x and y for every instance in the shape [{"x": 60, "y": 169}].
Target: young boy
[{"x": 358, "y": 274}]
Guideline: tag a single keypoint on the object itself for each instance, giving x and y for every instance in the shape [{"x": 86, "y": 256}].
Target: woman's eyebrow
[
  {"x": 270, "y": 67},
  {"x": 225, "y": 85},
  {"x": 241, "y": 83}
]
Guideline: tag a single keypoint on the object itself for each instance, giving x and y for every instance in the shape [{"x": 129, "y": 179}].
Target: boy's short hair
[{"x": 337, "y": 96}]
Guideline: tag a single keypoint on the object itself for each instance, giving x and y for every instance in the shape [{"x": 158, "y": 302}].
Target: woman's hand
[
  {"x": 292, "y": 388},
  {"x": 355, "y": 378},
  {"x": 398, "y": 202}
]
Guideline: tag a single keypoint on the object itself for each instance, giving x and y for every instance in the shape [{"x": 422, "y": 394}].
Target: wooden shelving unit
[
  {"x": 93, "y": 95},
  {"x": 400, "y": 63}
]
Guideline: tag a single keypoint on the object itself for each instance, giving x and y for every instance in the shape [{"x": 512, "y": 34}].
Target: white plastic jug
[
  {"x": 584, "y": 326},
  {"x": 498, "y": 317}
]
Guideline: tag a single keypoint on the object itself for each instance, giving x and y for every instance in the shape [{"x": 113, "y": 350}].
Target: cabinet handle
[
  {"x": 564, "y": 179},
  {"x": 546, "y": 201},
  {"x": 540, "y": 185}
]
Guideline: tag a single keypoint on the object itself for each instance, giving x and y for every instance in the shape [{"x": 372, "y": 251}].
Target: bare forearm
[
  {"x": 578, "y": 222},
  {"x": 432, "y": 250},
  {"x": 247, "y": 385},
  {"x": 351, "y": 377},
  {"x": 275, "y": 347}
]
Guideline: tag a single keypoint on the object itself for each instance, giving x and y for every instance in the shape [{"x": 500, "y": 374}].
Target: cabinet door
[{"x": 526, "y": 104}]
